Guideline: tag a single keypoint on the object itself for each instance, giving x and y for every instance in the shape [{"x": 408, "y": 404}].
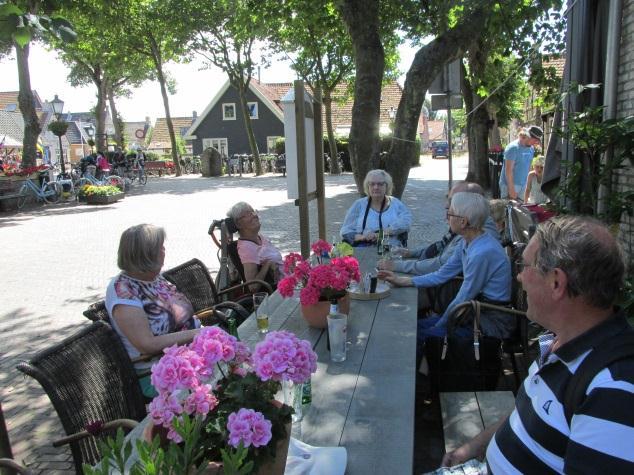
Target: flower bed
[{"x": 96, "y": 194}]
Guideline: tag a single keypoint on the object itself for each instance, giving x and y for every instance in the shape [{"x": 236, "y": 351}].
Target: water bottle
[{"x": 307, "y": 396}]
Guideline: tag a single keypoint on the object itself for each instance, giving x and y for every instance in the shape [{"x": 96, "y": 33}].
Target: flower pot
[
  {"x": 274, "y": 466},
  {"x": 316, "y": 314},
  {"x": 103, "y": 199}
]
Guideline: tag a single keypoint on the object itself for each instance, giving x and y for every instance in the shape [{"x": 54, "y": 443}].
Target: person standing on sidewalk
[{"x": 518, "y": 157}]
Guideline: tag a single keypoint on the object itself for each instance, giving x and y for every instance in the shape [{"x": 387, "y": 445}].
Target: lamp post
[
  {"x": 90, "y": 130},
  {"x": 58, "y": 108}
]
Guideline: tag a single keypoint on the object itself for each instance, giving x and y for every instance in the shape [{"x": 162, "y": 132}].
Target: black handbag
[{"x": 464, "y": 364}]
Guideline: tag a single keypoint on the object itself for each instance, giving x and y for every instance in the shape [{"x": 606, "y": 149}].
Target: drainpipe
[{"x": 610, "y": 91}]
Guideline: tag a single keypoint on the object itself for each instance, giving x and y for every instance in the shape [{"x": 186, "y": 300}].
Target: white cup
[{"x": 337, "y": 332}]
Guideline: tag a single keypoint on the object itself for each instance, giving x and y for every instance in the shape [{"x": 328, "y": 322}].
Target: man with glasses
[{"x": 572, "y": 270}]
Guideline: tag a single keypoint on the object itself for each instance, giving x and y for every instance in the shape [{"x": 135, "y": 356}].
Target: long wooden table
[{"x": 365, "y": 404}]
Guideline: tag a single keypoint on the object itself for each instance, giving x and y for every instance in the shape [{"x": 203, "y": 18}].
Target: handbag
[{"x": 464, "y": 364}]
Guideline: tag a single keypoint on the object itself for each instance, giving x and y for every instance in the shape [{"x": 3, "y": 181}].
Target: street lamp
[
  {"x": 58, "y": 108},
  {"x": 90, "y": 130}
]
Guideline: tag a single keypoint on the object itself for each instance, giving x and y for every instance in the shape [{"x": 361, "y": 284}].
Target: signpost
[
  {"x": 304, "y": 162},
  {"x": 446, "y": 92}
]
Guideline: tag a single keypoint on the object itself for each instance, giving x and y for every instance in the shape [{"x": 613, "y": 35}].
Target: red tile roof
[
  {"x": 160, "y": 135},
  {"x": 436, "y": 130},
  {"x": 342, "y": 100},
  {"x": 557, "y": 62},
  {"x": 11, "y": 97}
]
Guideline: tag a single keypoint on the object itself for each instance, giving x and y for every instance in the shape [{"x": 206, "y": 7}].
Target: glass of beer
[{"x": 261, "y": 314}]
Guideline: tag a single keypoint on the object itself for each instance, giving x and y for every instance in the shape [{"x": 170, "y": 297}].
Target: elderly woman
[
  {"x": 147, "y": 311},
  {"x": 378, "y": 211},
  {"x": 483, "y": 263},
  {"x": 258, "y": 256}
]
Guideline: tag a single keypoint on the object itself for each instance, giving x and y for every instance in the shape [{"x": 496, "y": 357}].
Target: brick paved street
[{"x": 58, "y": 259}]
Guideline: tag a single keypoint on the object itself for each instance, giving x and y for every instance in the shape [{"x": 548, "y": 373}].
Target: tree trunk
[
  {"x": 253, "y": 145},
  {"x": 158, "y": 64},
  {"x": 362, "y": 20},
  {"x": 116, "y": 120},
  {"x": 332, "y": 143},
  {"x": 101, "y": 137},
  {"x": 26, "y": 101},
  {"x": 427, "y": 63}
]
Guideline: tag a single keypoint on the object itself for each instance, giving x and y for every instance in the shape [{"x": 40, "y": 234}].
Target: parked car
[{"x": 439, "y": 148}]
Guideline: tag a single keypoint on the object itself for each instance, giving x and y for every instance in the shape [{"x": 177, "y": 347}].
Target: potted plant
[
  {"x": 323, "y": 279},
  {"x": 101, "y": 194},
  {"x": 215, "y": 406}
]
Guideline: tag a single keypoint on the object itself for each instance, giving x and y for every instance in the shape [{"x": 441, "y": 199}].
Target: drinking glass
[
  {"x": 397, "y": 252},
  {"x": 261, "y": 314},
  {"x": 337, "y": 329}
]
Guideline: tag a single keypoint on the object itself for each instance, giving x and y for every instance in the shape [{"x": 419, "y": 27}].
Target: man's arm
[
  {"x": 475, "y": 448},
  {"x": 509, "y": 179}
]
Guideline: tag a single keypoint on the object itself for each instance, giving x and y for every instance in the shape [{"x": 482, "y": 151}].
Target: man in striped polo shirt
[{"x": 572, "y": 271}]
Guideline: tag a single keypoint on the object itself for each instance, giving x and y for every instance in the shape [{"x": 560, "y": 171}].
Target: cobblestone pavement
[{"x": 58, "y": 259}]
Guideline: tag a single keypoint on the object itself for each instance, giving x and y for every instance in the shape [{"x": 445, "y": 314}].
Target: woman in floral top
[{"x": 147, "y": 311}]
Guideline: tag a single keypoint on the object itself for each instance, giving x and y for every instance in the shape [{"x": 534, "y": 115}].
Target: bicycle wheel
[
  {"x": 22, "y": 196},
  {"x": 142, "y": 176},
  {"x": 52, "y": 192}
]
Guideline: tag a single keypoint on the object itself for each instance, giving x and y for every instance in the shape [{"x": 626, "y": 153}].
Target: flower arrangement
[
  {"x": 99, "y": 190},
  {"x": 217, "y": 382},
  {"x": 328, "y": 278},
  {"x": 15, "y": 170}
]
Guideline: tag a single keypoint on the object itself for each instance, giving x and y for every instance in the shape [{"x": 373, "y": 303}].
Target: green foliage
[
  {"x": 233, "y": 461},
  {"x": 58, "y": 127},
  {"x": 593, "y": 136}
]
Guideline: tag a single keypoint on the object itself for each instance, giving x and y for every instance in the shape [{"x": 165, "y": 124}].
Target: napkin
[{"x": 304, "y": 459}]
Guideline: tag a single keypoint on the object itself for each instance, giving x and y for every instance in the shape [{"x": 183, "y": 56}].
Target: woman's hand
[
  {"x": 392, "y": 278},
  {"x": 385, "y": 264}
]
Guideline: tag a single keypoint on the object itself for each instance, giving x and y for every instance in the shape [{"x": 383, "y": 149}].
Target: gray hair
[
  {"x": 498, "y": 210},
  {"x": 237, "y": 210},
  {"x": 140, "y": 247},
  {"x": 467, "y": 186},
  {"x": 383, "y": 175},
  {"x": 472, "y": 206},
  {"x": 586, "y": 251}
]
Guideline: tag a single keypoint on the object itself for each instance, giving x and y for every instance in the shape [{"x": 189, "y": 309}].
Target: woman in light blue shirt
[
  {"x": 483, "y": 263},
  {"x": 378, "y": 211}
]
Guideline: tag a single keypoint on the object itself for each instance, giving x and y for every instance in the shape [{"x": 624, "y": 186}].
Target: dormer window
[{"x": 229, "y": 111}]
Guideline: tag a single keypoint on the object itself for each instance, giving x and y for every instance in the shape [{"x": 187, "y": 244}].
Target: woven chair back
[
  {"x": 97, "y": 312},
  {"x": 89, "y": 378},
  {"x": 192, "y": 279}
]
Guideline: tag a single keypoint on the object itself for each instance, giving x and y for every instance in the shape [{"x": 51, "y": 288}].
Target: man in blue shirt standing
[{"x": 518, "y": 156}]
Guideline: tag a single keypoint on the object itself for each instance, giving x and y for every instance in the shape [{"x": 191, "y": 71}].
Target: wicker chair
[
  {"x": 192, "y": 279},
  {"x": 90, "y": 380},
  {"x": 97, "y": 312}
]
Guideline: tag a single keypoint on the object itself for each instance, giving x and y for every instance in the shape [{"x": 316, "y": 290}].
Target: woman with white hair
[
  {"x": 483, "y": 263},
  {"x": 259, "y": 257},
  {"x": 379, "y": 211}
]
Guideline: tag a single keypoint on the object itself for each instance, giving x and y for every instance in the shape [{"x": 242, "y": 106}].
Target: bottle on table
[
  {"x": 379, "y": 243},
  {"x": 232, "y": 323},
  {"x": 307, "y": 394},
  {"x": 337, "y": 333},
  {"x": 386, "y": 244}
]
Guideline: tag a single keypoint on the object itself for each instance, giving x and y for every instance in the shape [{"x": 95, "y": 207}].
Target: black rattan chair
[
  {"x": 90, "y": 380},
  {"x": 192, "y": 279},
  {"x": 97, "y": 312}
]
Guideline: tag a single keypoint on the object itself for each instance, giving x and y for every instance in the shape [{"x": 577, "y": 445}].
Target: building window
[
  {"x": 270, "y": 143},
  {"x": 219, "y": 144},
  {"x": 253, "y": 109},
  {"x": 229, "y": 111}
]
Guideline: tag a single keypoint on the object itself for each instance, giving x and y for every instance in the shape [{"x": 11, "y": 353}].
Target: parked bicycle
[
  {"x": 48, "y": 192},
  {"x": 132, "y": 171}
]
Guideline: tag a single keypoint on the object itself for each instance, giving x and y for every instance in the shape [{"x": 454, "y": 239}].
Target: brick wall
[{"x": 625, "y": 108}]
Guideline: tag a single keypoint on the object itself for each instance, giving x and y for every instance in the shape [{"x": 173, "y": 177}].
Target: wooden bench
[
  {"x": 466, "y": 414},
  {"x": 155, "y": 166}
]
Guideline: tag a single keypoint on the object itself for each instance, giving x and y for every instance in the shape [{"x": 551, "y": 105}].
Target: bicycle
[{"x": 48, "y": 192}]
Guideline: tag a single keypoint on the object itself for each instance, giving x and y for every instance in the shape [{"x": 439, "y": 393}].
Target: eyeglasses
[
  {"x": 520, "y": 265},
  {"x": 454, "y": 215},
  {"x": 376, "y": 183}
]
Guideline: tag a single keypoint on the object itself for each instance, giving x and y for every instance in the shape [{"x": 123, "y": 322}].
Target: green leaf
[
  {"x": 7, "y": 9},
  {"x": 22, "y": 36}
]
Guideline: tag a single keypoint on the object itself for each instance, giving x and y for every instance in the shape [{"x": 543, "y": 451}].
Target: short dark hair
[{"x": 587, "y": 252}]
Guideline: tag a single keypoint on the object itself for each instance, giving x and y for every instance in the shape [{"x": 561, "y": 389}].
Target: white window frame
[
  {"x": 253, "y": 115},
  {"x": 270, "y": 143},
  {"x": 224, "y": 106},
  {"x": 218, "y": 143}
]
